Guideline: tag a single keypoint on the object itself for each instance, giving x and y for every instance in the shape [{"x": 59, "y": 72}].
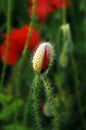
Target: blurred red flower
[
  {"x": 60, "y": 3},
  {"x": 17, "y": 40},
  {"x": 44, "y": 7}
]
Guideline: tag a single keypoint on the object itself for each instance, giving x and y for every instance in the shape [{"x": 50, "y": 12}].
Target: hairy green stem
[
  {"x": 76, "y": 85},
  {"x": 35, "y": 103},
  {"x": 7, "y": 43},
  {"x": 50, "y": 96}
]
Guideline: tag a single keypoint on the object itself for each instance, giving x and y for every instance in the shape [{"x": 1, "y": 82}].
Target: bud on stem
[{"x": 43, "y": 57}]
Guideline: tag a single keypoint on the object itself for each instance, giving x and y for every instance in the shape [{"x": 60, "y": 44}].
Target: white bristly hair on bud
[{"x": 43, "y": 54}]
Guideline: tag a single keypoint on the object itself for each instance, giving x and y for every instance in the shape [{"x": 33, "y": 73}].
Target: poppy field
[{"x": 42, "y": 65}]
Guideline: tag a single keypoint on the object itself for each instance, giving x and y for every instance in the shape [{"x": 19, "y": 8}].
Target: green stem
[
  {"x": 27, "y": 106},
  {"x": 64, "y": 19},
  {"x": 19, "y": 66},
  {"x": 76, "y": 85},
  {"x": 7, "y": 42},
  {"x": 64, "y": 13},
  {"x": 30, "y": 29},
  {"x": 16, "y": 112},
  {"x": 27, "y": 41},
  {"x": 51, "y": 98},
  {"x": 35, "y": 103},
  {"x": 73, "y": 18},
  {"x": 58, "y": 41}
]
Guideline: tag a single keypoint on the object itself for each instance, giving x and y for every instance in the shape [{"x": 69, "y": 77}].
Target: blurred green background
[{"x": 68, "y": 79}]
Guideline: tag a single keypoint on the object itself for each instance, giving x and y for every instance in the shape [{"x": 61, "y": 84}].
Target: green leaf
[
  {"x": 11, "y": 109},
  {"x": 5, "y": 98},
  {"x": 18, "y": 127}
]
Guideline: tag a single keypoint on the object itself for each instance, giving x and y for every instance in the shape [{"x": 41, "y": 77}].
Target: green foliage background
[{"x": 69, "y": 84}]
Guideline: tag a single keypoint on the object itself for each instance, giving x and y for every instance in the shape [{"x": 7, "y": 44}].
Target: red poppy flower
[
  {"x": 17, "y": 40},
  {"x": 34, "y": 38},
  {"x": 60, "y": 3},
  {"x": 12, "y": 56},
  {"x": 44, "y": 7},
  {"x": 41, "y": 8}
]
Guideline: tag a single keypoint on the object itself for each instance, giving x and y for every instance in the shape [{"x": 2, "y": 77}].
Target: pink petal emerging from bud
[{"x": 43, "y": 57}]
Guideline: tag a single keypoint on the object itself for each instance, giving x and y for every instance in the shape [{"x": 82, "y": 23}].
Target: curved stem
[
  {"x": 52, "y": 100},
  {"x": 19, "y": 66},
  {"x": 35, "y": 103},
  {"x": 27, "y": 42},
  {"x": 30, "y": 29},
  {"x": 7, "y": 43}
]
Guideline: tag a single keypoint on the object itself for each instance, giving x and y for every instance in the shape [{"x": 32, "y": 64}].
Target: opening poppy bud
[{"x": 43, "y": 57}]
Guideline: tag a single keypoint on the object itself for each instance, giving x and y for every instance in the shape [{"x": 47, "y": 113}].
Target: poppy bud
[
  {"x": 63, "y": 60},
  {"x": 43, "y": 57},
  {"x": 48, "y": 109}
]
